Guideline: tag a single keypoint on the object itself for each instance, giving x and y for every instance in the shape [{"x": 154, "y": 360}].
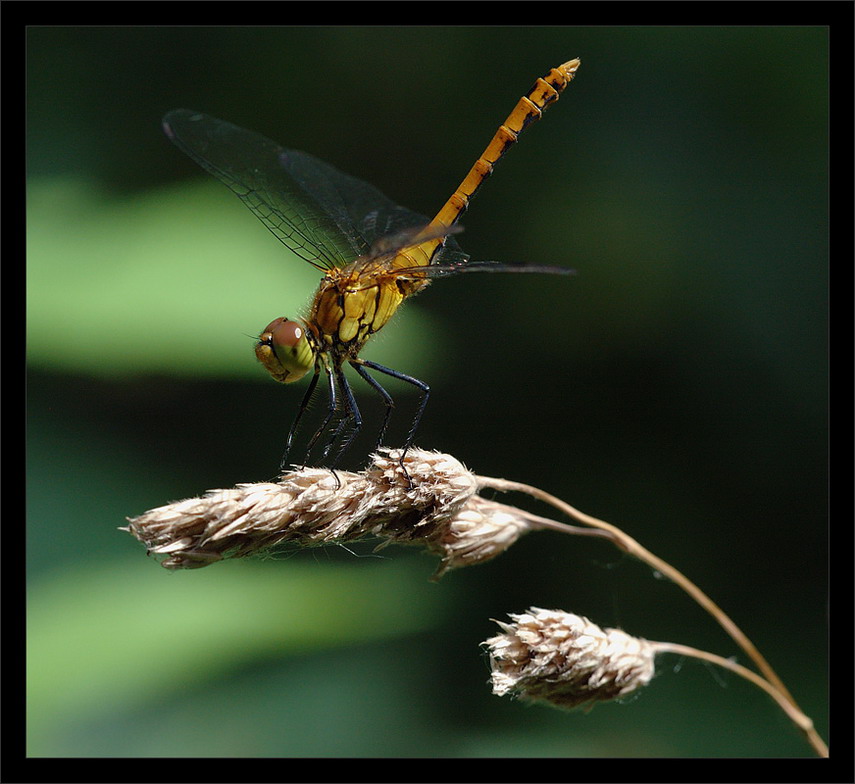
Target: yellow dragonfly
[{"x": 373, "y": 253}]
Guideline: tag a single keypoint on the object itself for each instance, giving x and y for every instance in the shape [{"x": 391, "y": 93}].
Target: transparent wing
[{"x": 324, "y": 216}]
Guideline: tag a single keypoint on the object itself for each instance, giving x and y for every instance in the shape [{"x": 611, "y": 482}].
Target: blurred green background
[{"x": 675, "y": 387}]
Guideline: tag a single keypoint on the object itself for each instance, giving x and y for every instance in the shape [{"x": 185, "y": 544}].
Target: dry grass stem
[
  {"x": 432, "y": 501},
  {"x": 629, "y": 545},
  {"x": 803, "y": 722},
  {"x": 435, "y": 505},
  {"x": 566, "y": 661}
]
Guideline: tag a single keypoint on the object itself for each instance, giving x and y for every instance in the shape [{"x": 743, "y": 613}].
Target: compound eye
[
  {"x": 272, "y": 326},
  {"x": 284, "y": 349},
  {"x": 283, "y": 333}
]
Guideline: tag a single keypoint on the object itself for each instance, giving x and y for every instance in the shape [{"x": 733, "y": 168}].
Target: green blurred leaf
[
  {"x": 101, "y": 640},
  {"x": 178, "y": 280}
]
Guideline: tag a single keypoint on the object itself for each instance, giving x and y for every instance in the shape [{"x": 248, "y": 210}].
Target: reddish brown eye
[
  {"x": 284, "y": 333},
  {"x": 284, "y": 350},
  {"x": 272, "y": 325}
]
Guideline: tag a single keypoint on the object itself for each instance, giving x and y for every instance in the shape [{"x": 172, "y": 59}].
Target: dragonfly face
[
  {"x": 373, "y": 253},
  {"x": 285, "y": 351}
]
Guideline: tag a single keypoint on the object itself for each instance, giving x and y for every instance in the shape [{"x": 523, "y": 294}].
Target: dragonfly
[{"x": 373, "y": 254}]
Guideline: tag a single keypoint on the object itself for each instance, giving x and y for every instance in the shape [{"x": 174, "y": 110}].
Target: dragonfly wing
[
  {"x": 379, "y": 225},
  {"x": 323, "y": 215},
  {"x": 451, "y": 254},
  {"x": 367, "y": 213}
]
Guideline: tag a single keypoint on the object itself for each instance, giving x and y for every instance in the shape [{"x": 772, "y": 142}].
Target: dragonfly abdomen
[{"x": 529, "y": 108}]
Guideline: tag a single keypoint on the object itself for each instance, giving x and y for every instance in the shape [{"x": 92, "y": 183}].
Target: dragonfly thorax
[
  {"x": 352, "y": 303},
  {"x": 285, "y": 350}
]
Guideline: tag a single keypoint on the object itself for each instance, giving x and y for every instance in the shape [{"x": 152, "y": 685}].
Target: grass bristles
[{"x": 430, "y": 500}]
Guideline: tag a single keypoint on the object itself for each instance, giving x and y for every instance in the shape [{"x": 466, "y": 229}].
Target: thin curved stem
[
  {"x": 629, "y": 545},
  {"x": 803, "y": 722},
  {"x": 536, "y": 521}
]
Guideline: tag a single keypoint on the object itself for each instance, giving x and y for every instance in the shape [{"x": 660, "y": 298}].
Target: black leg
[
  {"x": 331, "y": 411},
  {"x": 356, "y": 364},
  {"x": 425, "y": 390},
  {"x": 351, "y": 415},
  {"x": 296, "y": 423}
]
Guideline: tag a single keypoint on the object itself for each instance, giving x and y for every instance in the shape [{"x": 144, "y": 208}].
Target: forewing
[
  {"x": 325, "y": 216},
  {"x": 369, "y": 215}
]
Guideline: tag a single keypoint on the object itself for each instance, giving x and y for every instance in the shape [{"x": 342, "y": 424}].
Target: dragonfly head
[{"x": 285, "y": 351}]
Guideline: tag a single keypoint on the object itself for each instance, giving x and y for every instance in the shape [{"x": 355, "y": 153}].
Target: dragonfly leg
[
  {"x": 351, "y": 414},
  {"x": 425, "y": 394},
  {"x": 304, "y": 405},
  {"x": 356, "y": 364},
  {"x": 332, "y": 408}
]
